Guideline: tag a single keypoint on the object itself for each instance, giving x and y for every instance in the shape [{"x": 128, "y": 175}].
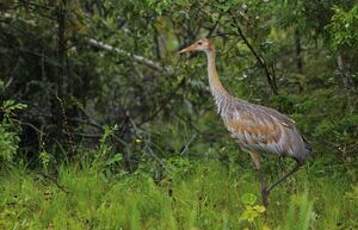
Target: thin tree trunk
[
  {"x": 63, "y": 129},
  {"x": 157, "y": 44},
  {"x": 298, "y": 49},
  {"x": 346, "y": 78},
  {"x": 344, "y": 72},
  {"x": 61, "y": 49},
  {"x": 56, "y": 99}
]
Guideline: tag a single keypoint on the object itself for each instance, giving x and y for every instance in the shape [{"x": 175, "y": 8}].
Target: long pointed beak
[
  {"x": 183, "y": 51},
  {"x": 187, "y": 49}
]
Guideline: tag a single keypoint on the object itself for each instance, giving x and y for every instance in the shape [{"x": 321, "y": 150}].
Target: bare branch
[
  {"x": 137, "y": 58},
  {"x": 185, "y": 148}
]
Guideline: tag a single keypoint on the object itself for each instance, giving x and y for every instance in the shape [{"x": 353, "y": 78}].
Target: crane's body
[
  {"x": 257, "y": 129},
  {"x": 261, "y": 129}
]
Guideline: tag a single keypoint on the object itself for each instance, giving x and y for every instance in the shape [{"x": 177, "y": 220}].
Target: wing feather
[
  {"x": 254, "y": 128},
  {"x": 282, "y": 118},
  {"x": 264, "y": 129}
]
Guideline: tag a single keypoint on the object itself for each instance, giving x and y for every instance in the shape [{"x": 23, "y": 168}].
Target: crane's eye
[{"x": 200, "y": 43}]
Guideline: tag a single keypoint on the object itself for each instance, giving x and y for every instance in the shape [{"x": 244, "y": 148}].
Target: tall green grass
[{"x": 206, "y": 195}]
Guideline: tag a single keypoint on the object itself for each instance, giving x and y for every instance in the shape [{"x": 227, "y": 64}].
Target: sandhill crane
[{"x": 257, "y": 129}]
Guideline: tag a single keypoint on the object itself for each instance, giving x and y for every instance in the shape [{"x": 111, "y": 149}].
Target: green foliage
[
  {"x": 251, "y": 211},
  {"x": 9, "y": 130},
  {"x": 343, "y": 28},
  {"x": 8, "y": 143},
  {"x": 9, "y": 107},
  {"x": 45, "y": 159},
  {"x": 104, "y": 148}
]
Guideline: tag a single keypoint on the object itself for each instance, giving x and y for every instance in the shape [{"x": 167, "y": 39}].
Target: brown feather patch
[{"x": 253, "y": 132}]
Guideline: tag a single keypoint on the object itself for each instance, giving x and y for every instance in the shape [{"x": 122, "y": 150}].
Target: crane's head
[{"x": 203, "y": 44}]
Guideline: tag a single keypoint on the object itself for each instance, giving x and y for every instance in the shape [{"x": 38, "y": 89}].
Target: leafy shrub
[
  {"x": 343, "y": 27},
  {"x": 251, "y": 211},
  {"x": 9, "y": 130}
]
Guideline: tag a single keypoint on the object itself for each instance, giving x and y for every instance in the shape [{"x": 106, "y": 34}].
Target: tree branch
[
  {"x": 258, "y": 57},
  {"x": 137, "y": 58}
]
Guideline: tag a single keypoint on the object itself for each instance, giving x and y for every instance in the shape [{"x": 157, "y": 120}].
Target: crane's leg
[
  {"x": 298, "y": 165},
  {"x": 257, "y": 162}
]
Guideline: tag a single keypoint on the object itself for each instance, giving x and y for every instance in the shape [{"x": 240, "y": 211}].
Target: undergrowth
[{"x": 206, "y": 195}]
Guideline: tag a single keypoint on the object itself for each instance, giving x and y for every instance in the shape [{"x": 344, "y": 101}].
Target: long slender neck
[{"x": 216, "y": 87}]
